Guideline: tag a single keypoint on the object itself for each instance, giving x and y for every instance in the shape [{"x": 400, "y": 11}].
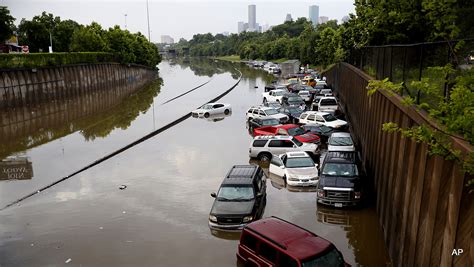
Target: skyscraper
[
  {"x": 314, "y": 14},
  {"x": 240, "y": 27},
  {"x": 323, "y": 19},
  {"x": 252, "y": 18},
  {"x": 288, "y": 17}
]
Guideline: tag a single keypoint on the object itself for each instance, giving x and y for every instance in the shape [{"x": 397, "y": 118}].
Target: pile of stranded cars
[{"x": 300, "y": 132}]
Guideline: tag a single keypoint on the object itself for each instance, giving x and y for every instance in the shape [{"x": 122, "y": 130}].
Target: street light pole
[
  {"x": 51, "y": 41},
  {"x": 125, "y": 21},
  {"x": 148, "y": 19}
]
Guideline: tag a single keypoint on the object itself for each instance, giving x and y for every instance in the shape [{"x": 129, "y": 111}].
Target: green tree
[
  {"x": 88, "y": 39},
  {"x": 6, "y": 24}
]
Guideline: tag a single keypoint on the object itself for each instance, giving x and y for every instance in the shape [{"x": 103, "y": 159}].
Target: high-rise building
[
  {"x": 166, "y": 39},
  {"x": 345, "y": 19},
  {"x": 323, "y": 19},
  {"x": 314, "y": 14},
  {"x": 252, "y": 18},
  {"x": 288, "y": 17},
  {"x": 240, "y": 27}
]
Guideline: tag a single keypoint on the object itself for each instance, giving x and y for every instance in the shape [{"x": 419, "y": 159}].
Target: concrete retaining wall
[{"x": 25, "y": 87}]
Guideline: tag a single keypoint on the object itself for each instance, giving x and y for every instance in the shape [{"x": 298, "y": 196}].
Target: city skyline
[{"x": 199, "y": 17}]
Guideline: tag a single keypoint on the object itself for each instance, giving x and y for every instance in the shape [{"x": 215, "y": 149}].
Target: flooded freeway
[{"x": 161, "y": 217}]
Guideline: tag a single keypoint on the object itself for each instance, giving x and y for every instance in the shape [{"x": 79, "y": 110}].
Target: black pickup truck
[{"x": 341, "y": 181}]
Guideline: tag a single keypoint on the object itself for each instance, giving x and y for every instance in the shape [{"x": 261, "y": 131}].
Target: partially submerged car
[
  {"x": 328, "y": 104},
  {"x": 296, "y": 168},
  {"x": 276, "y": 242},
  {"x": 262, "y": 147},
  {"x": 262, "y": 111},
  {"x": 212, "y": 109},
  {"x": 293, "y": 100},
  {"x": 322, "y": 131},
  {"x": 261, "y": 122},
  {"x": 240, "y": 200},
  {"x": 341, "y": 180},
  {"x": 340, "y": 141},
  {"x": 322, "y": 118},
  {"x": 288, "y": 129},
  {"x": 293, "y": 112}
]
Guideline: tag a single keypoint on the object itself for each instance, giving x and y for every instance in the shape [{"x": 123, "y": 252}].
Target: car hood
[
  {"x": 344, "y": 182},
  {"x": 232, "y": 207},
  {"x": 278, "y": 116},
  {"x": 302, "y": 173},
  {"x": 336, "y": 123},
  {"x": 309, "y": 147},
  {"x": 307, "y": 137},
  {"x": 199, "y": 110}
]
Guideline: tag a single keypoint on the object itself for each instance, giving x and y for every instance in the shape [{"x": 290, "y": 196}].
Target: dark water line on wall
[
  {"x": 142, "y": 139},
  {"x": 185, "y": 93}
]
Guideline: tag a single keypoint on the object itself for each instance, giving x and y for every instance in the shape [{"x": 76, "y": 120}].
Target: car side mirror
[
  {"x": 213, "y": 194},
  {"x": 294, "y": 146}
]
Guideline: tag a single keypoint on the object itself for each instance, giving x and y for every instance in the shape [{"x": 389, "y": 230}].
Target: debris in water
[
  {"x": 68, "y": 260},
  {"x": 124, "y": 212},
  {"x": 255, "y": 86},
  {"x": 122, "y": 187},
  {"x": 32, "y": 244},
  {"x": 101, "y": 228}
]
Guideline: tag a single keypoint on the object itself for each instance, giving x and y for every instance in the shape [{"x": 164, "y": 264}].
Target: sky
[{"x": 179, "y": 18}]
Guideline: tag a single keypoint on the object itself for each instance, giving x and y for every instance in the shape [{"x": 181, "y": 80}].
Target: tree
[
  {"x": 88, "y": 39},
  {"x": 62, "y": 35},
  {"x": 36, "y": 33},
  {"x": 6, "y": 24}
]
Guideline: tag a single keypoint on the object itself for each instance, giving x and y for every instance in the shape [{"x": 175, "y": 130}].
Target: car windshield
[
  {"x": 332, "y": 258},
  {"x": 297, "y": 142},
  {"x": 299, "y": 162},
  {"x": 341, "y": 141},
  {"x": 231, "y": 193},
  {"x": 328, "y": 102},
  {"x": 294, "y": 99},
  {"x": 271, "y": 122},
  {"x": 279, "y": 93},
  {"x": 340, "y": 169},
  {"x": 296, "y": 131},
  {"x": 294, "y": 110},
  {"x": 271, "y": 111},
  {"x": 207, "y": 106},
  {"x": 329, "y": 117}
]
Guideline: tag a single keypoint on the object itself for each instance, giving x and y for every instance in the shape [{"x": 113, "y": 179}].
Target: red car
[
  {"x": 288, "y": 129},
  {"x": 273, "y": 242}
]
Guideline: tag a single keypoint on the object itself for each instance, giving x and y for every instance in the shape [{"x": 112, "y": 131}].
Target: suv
[
  {"x": 340, "y": 180},
  {"x": 241, "y": 198},
  {"x": 293, "y": 100},
  {"x": 322, "y": 118},
  {"x": 263, "y": 147},
  {"x": 276, "y": 242},
  {"x": 260, "y": 112},
  {"x": 328, "y": 104}
]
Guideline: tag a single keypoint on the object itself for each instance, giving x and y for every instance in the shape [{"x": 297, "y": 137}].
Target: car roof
[
  {"x": 316, "y": 113},
  {"x": 340, "y": 134},
  {"x": 279, "y": 90},
  {"x": 341, "y": 157},
  {"x": 299, "y": 154},
  {"x": 328, "y": 97},
  {"x": 295, "y": 240},
  {"x": 265, "y": 118},
  {"x": 241, "y": 174},
  {"x": 287, "y": 126},
  {"x": 276, "y": 137}
]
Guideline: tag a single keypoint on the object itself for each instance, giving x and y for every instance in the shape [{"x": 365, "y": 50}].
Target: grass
[
  {"x": 33, "y": 60},
  {"x": 232, "y": 58}
]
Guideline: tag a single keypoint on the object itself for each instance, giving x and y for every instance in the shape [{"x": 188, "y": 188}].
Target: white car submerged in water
[
  {"x": 297, "y": 168},
  {"x": 212, "y": 109}
]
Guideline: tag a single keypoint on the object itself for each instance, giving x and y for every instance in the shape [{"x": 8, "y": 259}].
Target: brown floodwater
[{"x": 160, "y": 218}]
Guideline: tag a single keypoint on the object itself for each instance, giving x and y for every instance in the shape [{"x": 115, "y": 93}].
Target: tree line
[
  {"x": 375, "y": 23},
  {"x": 70, "y": 36}
]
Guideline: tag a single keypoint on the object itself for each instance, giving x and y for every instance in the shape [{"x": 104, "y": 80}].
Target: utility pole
[
  {"x": 125, "y": 21},
  {"x": 148, "y": 19},
  {"x": 50, "y": 41}
]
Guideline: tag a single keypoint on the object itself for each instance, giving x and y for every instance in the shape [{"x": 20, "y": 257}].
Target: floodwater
[{"x": 160, "y": 218}]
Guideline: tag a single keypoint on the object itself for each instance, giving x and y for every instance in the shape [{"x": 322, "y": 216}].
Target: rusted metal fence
[
  {"x": 412, "y": 62},
  {"x": 423, "y": 205}
]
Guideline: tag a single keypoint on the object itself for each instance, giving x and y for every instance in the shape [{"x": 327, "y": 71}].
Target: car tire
[
  {"x": 264, "y": 156},
  {"x": 278, "y": 101},
  {"x": 226, "y": 112},
  {"x": 264, "y": 100},
  {"x": 206, "y": 115}
]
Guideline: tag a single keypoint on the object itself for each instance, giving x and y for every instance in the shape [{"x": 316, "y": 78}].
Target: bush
[{"x": 34, "y": 60}]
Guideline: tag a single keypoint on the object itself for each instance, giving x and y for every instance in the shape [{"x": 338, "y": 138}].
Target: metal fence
[{"x": 412, "y": 62}]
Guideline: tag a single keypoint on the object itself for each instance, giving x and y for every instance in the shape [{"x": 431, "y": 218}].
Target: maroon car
[{"x": 276, "y": 242}]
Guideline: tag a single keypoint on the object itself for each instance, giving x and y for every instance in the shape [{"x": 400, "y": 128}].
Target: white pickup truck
[{"x": 274, "y": 95}]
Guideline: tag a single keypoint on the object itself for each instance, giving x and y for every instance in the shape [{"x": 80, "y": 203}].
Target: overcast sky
[{"x": 179, "y": 18}]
